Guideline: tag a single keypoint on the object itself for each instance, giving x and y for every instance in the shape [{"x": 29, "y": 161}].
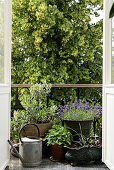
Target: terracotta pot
[
  {"x": 74, "y": 124},
  {"x": 57, "y": 152}
]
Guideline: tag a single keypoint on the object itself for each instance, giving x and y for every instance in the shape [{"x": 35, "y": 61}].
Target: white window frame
[
  {"x": 7, "y": 43},
  {"x": 107, "y": 58}
]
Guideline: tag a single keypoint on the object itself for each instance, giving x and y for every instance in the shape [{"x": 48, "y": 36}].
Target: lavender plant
[{"x": 79, "y": 110}]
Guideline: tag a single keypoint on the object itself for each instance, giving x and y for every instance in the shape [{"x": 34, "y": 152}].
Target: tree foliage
[{"x": 54, "y": 40}]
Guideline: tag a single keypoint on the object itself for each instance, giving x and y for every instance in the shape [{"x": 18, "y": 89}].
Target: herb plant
[{"x": 58, "y": 135}]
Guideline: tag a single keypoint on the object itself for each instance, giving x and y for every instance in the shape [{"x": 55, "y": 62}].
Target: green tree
[{"x": 54, "y": 40}]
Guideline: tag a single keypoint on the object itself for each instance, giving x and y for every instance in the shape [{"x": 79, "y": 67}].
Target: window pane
[{"x": 1, "y": 41}]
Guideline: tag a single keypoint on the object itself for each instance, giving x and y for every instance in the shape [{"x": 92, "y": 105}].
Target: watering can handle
[{"x": 34, "y": 124}]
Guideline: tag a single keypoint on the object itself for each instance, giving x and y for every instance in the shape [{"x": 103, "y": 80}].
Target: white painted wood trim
[
  {"x": 5, "y": 89},
  {"x": 104, "y": 118},
  {"x": 109, "y": 91},
  {"x": 109, "y": 86},
  {"x": 7, "y": 41},
  {"x": 5, "y": 165},
  {"x": 111, "y": 167},
  {"x": 106, "y": 72},
  {"x": 107, "y": 43}
]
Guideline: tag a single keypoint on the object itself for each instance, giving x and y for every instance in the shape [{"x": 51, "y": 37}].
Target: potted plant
[
  {"x": 74, "y": 113},
  {"x": 35, "y": 111},
  {"x": 21, "y": 117},
  {"x": 35, "y": 105},
  {"x": 57, "y": 138},
  {"x": 85, "y": 150}
]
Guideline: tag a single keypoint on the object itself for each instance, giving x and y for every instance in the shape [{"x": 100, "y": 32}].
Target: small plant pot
[{"x": 57, "y": 152}]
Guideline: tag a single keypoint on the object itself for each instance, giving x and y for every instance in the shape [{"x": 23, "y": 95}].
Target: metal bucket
[{"x": 30, "y": 149}]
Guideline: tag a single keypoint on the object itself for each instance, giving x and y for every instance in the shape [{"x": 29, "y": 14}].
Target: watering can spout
[{"x": 20, "y": 157}]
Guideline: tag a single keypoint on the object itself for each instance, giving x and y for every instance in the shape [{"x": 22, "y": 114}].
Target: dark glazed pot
[
  {"x": 74, "y": 124},
  {"x": 83, "y": 154},
  {"x": 57, "y": 152}
]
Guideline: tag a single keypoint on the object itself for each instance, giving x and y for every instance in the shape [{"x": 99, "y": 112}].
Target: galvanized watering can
[{"x": 30, "y": 149}]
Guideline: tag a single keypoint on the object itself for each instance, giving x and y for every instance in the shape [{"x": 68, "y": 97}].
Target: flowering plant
[
  {"x": 40, "y": 91},
  {"x": 35, "y": 101},
  {"x": 79, "y": 110}
]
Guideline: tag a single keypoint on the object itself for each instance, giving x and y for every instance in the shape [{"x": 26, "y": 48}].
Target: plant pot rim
[
  {"x": 60, "y": 146},
  {"x": 90, "y": 120},
  {"x": 82, "y": 147}
]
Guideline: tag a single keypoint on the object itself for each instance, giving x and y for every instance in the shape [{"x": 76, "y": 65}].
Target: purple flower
[
  {"x": 83, "y": 106},
  {"x": 70, "y": 97}
]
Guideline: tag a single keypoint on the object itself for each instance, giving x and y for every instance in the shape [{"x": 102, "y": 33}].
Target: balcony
[{"x": 46, "y": 163}]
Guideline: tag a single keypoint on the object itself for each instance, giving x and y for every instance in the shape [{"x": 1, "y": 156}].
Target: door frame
[
  {"x": 7, "y": 42},
  {"x": 5, "y": 87},
  {"x": 108, "y": 88}
]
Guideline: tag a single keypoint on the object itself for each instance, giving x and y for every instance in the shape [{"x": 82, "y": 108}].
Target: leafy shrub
[{"x": 58, "y": 135}]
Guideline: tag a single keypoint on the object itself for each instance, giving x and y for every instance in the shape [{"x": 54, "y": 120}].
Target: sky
[{"x": 96, "y": 19}]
